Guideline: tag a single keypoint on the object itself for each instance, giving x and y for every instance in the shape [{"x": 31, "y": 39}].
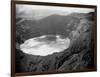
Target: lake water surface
[{"x": 45, "y": 45}]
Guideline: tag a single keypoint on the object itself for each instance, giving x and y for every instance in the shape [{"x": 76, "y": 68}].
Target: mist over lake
[{"x": 45, "y": 46}]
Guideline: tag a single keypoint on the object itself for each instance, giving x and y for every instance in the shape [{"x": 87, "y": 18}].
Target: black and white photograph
[{"x": 54, "y": 38}]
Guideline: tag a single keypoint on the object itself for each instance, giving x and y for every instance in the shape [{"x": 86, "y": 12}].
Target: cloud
[{"x": 39, "y": 11}]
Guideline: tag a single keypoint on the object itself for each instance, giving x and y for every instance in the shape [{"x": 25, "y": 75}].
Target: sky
[{"x": 39, "y": 11}]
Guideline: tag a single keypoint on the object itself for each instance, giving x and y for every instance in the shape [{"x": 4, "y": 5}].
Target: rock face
[{"x": 80, "y": 55}]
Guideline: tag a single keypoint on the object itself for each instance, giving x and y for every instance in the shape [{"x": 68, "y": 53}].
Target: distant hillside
[{"x": 54, "y": 24}]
